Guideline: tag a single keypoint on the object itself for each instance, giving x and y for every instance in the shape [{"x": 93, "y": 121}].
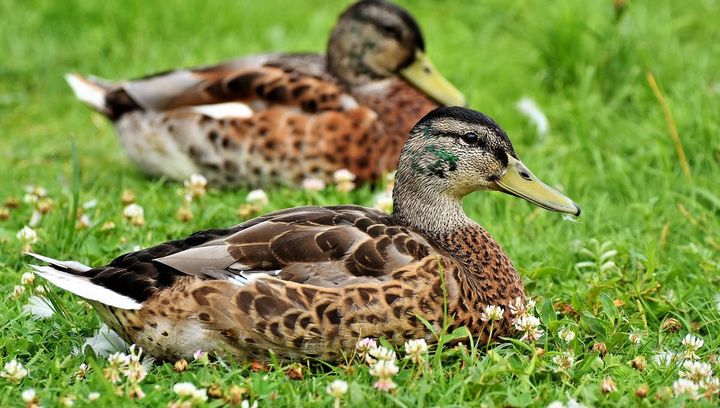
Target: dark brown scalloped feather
[
  {"x": 305, "y": 123},
  {"x": 345, "y": 273}
]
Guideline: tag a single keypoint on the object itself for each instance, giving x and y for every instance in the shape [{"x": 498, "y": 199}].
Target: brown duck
[
  {"x": 281, "y": 118},
  {"x": 311, "y": 281}
]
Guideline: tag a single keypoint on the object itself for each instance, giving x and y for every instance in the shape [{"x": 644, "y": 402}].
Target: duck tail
[
  {"x": 74, "y": 277},
  {"x": 90, "y": 90}
]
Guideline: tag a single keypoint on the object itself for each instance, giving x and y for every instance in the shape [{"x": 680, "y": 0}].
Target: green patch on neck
[
  {"x": 443, "y": 161},
  {"x": 442, "y": 154}
]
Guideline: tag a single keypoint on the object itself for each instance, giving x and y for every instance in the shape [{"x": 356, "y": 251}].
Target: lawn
[{"x": 645, "y": 251}]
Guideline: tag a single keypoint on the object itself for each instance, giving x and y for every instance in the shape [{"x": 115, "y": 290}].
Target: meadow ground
[{"x": 644, "y": 251}]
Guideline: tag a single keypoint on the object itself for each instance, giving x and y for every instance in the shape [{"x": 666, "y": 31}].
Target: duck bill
[
  {"x": 423, "y": 74},
  {"x": 520, "y": 182}
]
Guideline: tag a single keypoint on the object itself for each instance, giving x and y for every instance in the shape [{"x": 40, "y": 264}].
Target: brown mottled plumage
[
  {"x": 280, "y": 118},
  {"x": 312, "y": 281}
]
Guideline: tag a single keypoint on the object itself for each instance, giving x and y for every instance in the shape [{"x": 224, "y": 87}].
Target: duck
[
  {"x": 278, "y": 119},
  {"x": 309, "y": 282}
]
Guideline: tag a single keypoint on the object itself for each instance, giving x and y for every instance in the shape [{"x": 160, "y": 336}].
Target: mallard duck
[
  {"x": 279, "y": 119},
  {"x": 311, "y": 281}
]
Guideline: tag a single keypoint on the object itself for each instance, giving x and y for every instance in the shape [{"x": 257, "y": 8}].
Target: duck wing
[
  {"x": 320, "y": 246},
  {"x": 297, "y": 80}
]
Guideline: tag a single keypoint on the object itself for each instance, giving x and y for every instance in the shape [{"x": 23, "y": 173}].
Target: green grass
[{"x": 609, "y": 149}]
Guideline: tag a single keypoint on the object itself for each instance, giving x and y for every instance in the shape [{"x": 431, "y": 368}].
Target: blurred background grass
[{"x": 585, "y": 63}]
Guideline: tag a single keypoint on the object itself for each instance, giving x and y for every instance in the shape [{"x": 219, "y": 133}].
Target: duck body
[
  {"x": 312, "y": 281},
  {"x": 361, "y": 274},
  {"x": 277, "y": 119}
]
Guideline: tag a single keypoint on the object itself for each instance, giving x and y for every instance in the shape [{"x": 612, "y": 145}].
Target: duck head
[
  {"x": 374, "y": 40},
  {"x": 453, "y": 151}
]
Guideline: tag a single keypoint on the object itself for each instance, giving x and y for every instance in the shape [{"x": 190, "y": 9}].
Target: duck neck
[
  {"x": 486, "y": 275},
  {"x": 427, "y": 211}
]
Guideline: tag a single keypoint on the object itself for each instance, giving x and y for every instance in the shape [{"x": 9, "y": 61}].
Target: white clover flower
[
  {"x": 201, "y": 356},
  {"x": 14, "y": 371},
  {"x": 93, "y": 396},
  {"x": 666, "y": 358},
  {"x": 344, "y": 180},
  {"x": 635, "y": 338},
  {"x": 492, "y": 313},
  {"x": 135, "y": 372},
  {"x": 17, "y": 292},
  {"x": 529, "y": 108},
  {"x": 184, "y": 389},
  {"x": 118, "y": 359},
  {"x": 82, "y": 372},
  {"x": 687, "y": 387},
  {"x": 29, "y": 396},
  {"x": 564, "y": 360},
  {"x": 117, "y": 363},
  {"x": 692, "y": 344},
  {"x": 133, "y": 210},
  {"x": 27, "y": 237},
  {"x": 566, "y": 334},
  {"x": 313, "y": 184},
  {"x": 135, "y": 214},
  {"x": 246, "y": 404},
  {"x": 257, "y": 198},
  {"x": 521, "y": 307},
  {"x": 385, "y": 384},
  {"x": 30, "y": 199},
  {"x": 384, "y": 369},
  {"x": 27, "y": 278},
  {"x": 364, "y": 346},
  {"x": 37, "y": 191},
  {"x": 711, "y": 385},
  {"x": 345, "y": 187},
  {"x": 196, "y": 185},
  {"x": 383, "y": 202},
  {"x": 343, "y": 176},
  {"x": 84, "y": 222},
  {"x": 380, "y": 353},
  {"x": 574, "y": 404},
  {"x": 200, "y": 395},
  {"x": 528, "y": 325},
  {"x": 337, "y": 388},
  {"x": 415, "y": 350},
  {"x": 39, "y": 308},
  {"x": 696, "y": 371},
  {"x": 67, "y": 401}
]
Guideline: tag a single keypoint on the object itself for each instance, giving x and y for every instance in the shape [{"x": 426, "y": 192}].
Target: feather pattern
[
  {"x": 275, "y": 119},
  {"x": 312, "y": 281}
]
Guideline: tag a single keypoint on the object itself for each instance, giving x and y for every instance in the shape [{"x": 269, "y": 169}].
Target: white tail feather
[
  {"x": 81, "y": 286},
  {"x": 224, "y": 110},
  {"x": 87, "y": 91},
  {"x": 73, "y": 265}
]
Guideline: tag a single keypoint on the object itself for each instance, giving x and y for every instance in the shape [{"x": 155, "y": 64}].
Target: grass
[{"x": 645, "y": 250}]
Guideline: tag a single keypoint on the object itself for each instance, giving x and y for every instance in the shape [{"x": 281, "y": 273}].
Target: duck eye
[{"x": 470, "y": 138}]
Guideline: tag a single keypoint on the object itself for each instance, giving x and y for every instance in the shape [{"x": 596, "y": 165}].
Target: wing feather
[
  {"x": 297, "y": 80},
  {"x": 324, "y": 246}
]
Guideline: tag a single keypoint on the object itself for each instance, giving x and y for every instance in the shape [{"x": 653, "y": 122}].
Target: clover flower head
[
  {"x": 492, "y": 313},
  {"x": 337, "y": 388}
]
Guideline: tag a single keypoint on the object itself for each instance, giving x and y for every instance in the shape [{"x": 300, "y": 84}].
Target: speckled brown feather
[
  {"x": 326, "y": 277},
  {"x": 312, "y": 281},
  {"x": 286, "y": 141},
  {"x": 306, "y": 116}
]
